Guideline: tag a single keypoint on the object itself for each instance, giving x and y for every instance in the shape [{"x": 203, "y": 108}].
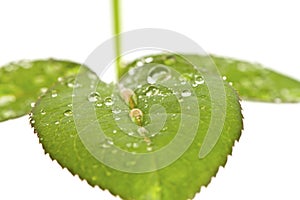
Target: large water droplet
[
  {"x": 158, "y": 73},
  {"x": 108, "y": 101},
  {"x": 186, "y": 93},
  {"x": 53, "y": 93},
  {"x": 93, "y": 97},
  {"x": 68, "y": 113}
]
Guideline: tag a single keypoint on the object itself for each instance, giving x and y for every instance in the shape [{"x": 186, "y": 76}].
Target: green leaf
[
  {"x": 251, "y": 80},
  {"x": 68, "y": 124},
  {"x": 21, "y": 83}
]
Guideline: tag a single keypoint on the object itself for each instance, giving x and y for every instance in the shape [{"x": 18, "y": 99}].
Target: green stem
[{"x": 117, "y": 31}]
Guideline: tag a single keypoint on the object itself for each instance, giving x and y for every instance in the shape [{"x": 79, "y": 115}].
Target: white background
[{"x": 265, "y": 163}]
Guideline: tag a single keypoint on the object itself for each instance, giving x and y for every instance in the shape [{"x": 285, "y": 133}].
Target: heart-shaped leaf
[
  {"x": 21, "y": 83},
  {"x": 251, "y": 80},
  {"x": 140, "y": 142}
]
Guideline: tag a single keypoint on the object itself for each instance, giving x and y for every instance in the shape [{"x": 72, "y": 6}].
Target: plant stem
[{"x": 117, "y": 30}]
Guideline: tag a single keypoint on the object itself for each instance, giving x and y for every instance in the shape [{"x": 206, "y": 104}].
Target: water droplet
[
  {"x": 186, "y": 93},
  {"x": 116, "y": 110},
  {"x": 53, "y": 93},
  {"x": 43, "y": 90},
  {"x": 129, "y": 145},
  {"x": 224, "y": 78},
  {"x": 60, "y": 79},
  {"x": 158, "y": 73},
  {"x": 32, "y": 121},
  {"x": 174, "y": 116},
  {"x": 170, "y": 60},
  {"x": 114, "y": 131},
  {"x": 151, "y": 91},
  {"x": 148, "y": 60},
  {"x": 135, "y": 145},
  {"x": 43, "y": 112},
  {"x": 6, "y": 99},
  {"x": 56, "y": 122},
  {"x": 108, "y": 101},
  {"x": 68, "y": 113},
  {"x": 117, "y": 118},
  {"x": 149, "y": 148},
  {"x": 130, "y": 133},
  {"x": 99, "y": 105},
  {"x": 93, "y": 97},
  {"x": 32, "y": 104},
  {"x": 139, "y": 63},
  {"x": 107, "y": 143},
  {"x": 73, "y": 84},
  {"x": 164, "y": 129}
]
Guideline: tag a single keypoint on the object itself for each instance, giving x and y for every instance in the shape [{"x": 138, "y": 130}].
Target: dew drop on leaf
[
  {"x": 93, "y": 97},
  {"x": 68, "y": 113},
  {"x": 186, "y": 93},
  {"x": 53, "y": 93},
  {"x": 43, "y": 112},
  {"x": 108, "y": 101},
  {"x": 158, "y": 73}
]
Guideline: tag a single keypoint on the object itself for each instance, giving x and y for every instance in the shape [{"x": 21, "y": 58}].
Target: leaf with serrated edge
[
  {"x": 22, "y": 82},
  {"x": 53, "y": 121},
  {"x": 252, "y": 81}
]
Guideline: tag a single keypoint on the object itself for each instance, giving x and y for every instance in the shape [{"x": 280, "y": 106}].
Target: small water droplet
[
  {"x": 151, "y": 91},
  {"x": 149, "y": 148},
  {"x": 158, "y": 73},
  {"x": 43, "y": 90},
  {"x": 73, "y": 84},
  {"x": 148, "y": 60},
  {"x": 43, "y": 112},
  {"x": 108, "y": 101},
  {"x": 53, "y": 93},
  {"x": 224, "y": 78},
  {"x": 93, "y": 97},
  {"x": 186, "y": 93},
  {"x": 32, "y": 104},
  {"x": 99, "y": 105},
  {"x": 68, "y": 113},
  {"x": 129, "y": 145},
  {"x": 116, "y": 110},
  {"x": 174, "y": 116},
  {"x": 139, "y": 63},
  {"x": 136, "y": 116},
  {"x": 135, "y": 145},
  {"x": 117, "y": 118},
  {"x": 114, "y": 131},
  {"x": 56, "y": 122},
  {"x": 32, "y": 121},
  {"x": 60, "y": 79}
]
